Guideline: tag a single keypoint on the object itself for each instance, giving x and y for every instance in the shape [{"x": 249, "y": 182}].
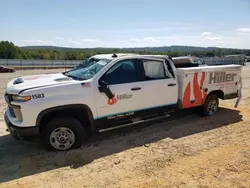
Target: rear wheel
[
  {"x": 211, "y": 105},
  {"x": 63, "y": 134}
]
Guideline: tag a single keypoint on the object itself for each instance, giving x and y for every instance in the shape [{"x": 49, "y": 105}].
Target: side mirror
[
  {"x": 103, "y": 84},
  {"x": 104, "y": 88}
]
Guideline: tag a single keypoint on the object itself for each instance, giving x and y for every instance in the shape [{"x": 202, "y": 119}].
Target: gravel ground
[{"x": 191, "y": 152}]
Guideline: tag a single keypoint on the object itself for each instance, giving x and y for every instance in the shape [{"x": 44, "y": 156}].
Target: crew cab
[{"x": 63, "y": 109}]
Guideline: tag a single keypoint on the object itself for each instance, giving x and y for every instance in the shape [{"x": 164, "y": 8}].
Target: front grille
[
  {"x": 8, "y": 98},
  {"x": 11, "y": 110},
  {"x": 14, "y": 110}
]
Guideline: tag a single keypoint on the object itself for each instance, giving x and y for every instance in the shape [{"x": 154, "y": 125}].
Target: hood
[{"x": 35, "y": 81}]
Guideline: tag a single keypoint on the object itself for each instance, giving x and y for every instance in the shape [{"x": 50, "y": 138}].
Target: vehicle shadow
[{"x": 19, "y": 159}]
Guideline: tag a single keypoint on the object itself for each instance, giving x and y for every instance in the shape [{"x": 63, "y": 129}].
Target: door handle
[
  {"x": 135, "y": 88},
  {"x": 172, "y": 84}
]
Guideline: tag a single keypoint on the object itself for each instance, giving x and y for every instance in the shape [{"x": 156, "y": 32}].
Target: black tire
[
  {"x": 71, "y": 124},
  {"x": 205, "y": 111}
]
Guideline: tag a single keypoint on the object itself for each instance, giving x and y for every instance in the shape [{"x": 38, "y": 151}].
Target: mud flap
[{"x": 239, "y": 94}]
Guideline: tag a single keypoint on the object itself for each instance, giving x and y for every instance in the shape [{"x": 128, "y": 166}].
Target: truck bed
[{"x": 195, "y": 83}]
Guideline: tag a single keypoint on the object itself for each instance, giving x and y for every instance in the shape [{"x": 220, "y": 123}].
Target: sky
[{"x": 130, "y": 23}]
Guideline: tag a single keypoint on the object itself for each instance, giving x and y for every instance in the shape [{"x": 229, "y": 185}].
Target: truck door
[
  {"x": 160, "y": 88},
  {"x": 123, "y": 81}
]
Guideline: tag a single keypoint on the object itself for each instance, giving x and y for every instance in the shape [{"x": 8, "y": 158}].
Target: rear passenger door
[{"x": 160, "y": 91}]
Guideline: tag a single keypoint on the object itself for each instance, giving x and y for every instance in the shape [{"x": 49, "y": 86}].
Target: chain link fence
[
  {"x": 32, "y": 64},
  {"x": 239, "y": 60}
]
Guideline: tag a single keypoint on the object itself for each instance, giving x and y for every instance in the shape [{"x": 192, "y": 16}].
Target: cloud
[
  {"x": 134, "y": 40},
  {"x": 90, "y": 40},
  {"x": 243, "y": 29},
  {"x": 34, "y": 41},
  {"x": 186, "y": 40},
  {"x": 37, "y": 42},
  {"x": 59, "y": 38},
  {"x": 213, "y": 38},
  {"x": 74, "y": 42},
  {"x": 228, "y": 40},
  {"x": 145, "y": 39},
  {"x": 150, "y": 39},
  {"x": 206, "y": 33},
  {"x": 70, "y": 41}
]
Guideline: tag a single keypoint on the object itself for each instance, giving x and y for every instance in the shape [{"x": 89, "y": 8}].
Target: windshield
[
  {"x": 85, "y": 63},
  {"x": 87, "y": 69}
]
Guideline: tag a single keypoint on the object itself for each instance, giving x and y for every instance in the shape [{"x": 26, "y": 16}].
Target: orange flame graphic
[
  {"x": 198, "y": 92},
  {"x": 112, "y": 101}
]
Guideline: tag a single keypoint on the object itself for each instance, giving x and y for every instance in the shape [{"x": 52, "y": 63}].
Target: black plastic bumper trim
[{"x": 21, "y": 131}]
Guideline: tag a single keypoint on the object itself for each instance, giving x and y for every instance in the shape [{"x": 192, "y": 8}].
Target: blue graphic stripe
[{"x": 95, "y": 118}]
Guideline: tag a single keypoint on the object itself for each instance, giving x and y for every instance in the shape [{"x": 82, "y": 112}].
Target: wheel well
[
  {"x": 81, "y": 112},
  {"x": 218, "y": 93}
]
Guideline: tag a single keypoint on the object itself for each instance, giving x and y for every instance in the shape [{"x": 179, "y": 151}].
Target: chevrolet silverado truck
[{"x": 63, "y": 109}]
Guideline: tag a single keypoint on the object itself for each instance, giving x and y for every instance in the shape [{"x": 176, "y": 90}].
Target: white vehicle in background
[{"x": 63, "y": 109}]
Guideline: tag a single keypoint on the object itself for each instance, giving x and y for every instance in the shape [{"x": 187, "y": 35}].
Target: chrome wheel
[
  {"x": 212, "y": 107},
  {"x": 62, "y": 138}
]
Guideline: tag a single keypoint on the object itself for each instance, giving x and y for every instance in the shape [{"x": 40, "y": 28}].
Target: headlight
[{"x": 21, "y": 98}]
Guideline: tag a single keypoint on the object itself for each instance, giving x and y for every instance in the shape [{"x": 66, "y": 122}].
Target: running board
[{"x": 134, "y": 123}]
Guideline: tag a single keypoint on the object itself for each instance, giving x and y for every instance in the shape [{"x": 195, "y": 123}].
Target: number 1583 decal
[{"x": 38, "y": 96}]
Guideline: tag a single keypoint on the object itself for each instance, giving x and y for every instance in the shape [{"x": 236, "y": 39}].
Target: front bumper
[{"x": 19, "y": 132}]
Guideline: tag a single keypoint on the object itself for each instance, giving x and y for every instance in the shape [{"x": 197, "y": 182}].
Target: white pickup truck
[{"x": 116, "y": 90}]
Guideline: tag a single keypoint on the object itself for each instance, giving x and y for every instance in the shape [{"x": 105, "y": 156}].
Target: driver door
[{"x": 123, "y": 81}]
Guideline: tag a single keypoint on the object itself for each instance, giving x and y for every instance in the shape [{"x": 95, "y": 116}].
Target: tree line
[{"x": 9, "y": 51}]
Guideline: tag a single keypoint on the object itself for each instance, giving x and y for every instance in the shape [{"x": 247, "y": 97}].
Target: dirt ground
[{"x": 188, "y": 152}]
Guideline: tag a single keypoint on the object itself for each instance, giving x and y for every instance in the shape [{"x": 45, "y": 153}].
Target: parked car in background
[{"x": 6, "y": 69}]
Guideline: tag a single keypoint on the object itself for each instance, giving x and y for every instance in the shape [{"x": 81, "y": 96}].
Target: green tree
[{"x": 8, "y": 50}]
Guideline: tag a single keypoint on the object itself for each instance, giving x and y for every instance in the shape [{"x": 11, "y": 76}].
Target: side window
[
  {"x": 155, "y": 70},
  {"x": 120, "y": 73}
]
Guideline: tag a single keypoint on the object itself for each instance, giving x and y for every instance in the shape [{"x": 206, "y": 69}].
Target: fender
[{"x": 84, "y": 107}]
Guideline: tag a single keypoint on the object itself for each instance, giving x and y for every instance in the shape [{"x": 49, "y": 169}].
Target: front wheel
[
  {"x": 63, "y": 134},
  {"x": 211, "y": 105}
]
